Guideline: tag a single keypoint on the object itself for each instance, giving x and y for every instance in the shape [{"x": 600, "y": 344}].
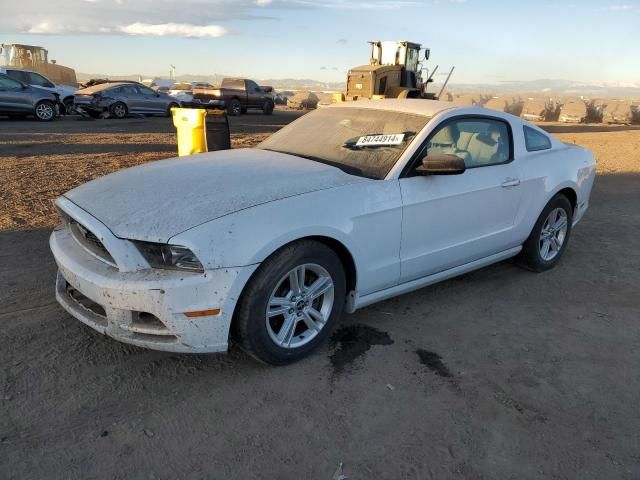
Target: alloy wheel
[
  {"x": 300, "y": 306},
  {"x": 553, "y": 234},
  {"x": 44, "y": 111}
]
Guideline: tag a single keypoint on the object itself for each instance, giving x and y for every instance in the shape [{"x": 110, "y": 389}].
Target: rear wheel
[
  {"x": 291, "y": 303},
  {"x": 118, "y": 110},
  {"x": 234, "y": 108},
  {"x": 45, "y": 111},
  {"x": 69, "y": 108},
  {"x": 549, "y": 237}
]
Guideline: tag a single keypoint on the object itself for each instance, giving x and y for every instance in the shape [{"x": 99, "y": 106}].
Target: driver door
[
  {"x": 14, "y": 98},
  {"x": 151, "y": 100},
  {"x": 254, "y": 94},
  {"x": 451, "y": 220}
]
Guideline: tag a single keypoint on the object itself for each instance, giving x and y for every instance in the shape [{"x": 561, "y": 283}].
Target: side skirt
[{"x": 354, "y": 301}]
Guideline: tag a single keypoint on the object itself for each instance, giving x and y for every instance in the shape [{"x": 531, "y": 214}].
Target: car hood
[{"x": 159, "y": 200}]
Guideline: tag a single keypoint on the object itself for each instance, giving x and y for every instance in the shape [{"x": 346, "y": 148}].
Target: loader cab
[
  {"x": 22, "y": 56},
  {"x": 394, "y": 71},
  {"x": 406, "y": 54}
]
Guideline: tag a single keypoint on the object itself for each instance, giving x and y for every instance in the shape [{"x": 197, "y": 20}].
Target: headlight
[{"x": 172, "y": 257}]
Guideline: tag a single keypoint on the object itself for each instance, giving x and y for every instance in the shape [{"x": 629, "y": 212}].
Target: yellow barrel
[{"x": 192, "y": 135}]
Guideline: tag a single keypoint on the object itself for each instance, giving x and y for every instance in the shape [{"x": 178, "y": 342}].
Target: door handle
[{"x": 511, "y": 182}]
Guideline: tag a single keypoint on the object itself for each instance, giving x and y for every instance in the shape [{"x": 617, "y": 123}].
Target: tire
[
  {"x": 69, "y": 108},
  {"x": 118, "y": 110},
  {"x": 171, "y": 105},
  {"x": 268, "y": 107},
  {"x": 264, "y": 335},
  {"x": 541, "y": 252},
  {"x": 234, "y": 108},
  {"x": 45, "y": 111}
]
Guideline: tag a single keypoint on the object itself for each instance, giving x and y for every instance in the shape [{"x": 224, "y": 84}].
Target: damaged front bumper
[{"x": 142, "y": 306}]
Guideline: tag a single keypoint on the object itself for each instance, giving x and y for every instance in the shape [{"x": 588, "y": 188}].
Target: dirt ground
[{"x": 498, "y": 374}]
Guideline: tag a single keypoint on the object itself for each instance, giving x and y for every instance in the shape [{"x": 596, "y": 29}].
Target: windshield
[{"x": 359, "y": 141}]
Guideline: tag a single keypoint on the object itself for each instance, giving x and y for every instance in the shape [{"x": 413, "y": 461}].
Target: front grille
[
  {"x": 88, "y": 304},
  {"x": 88, "y": 240}
]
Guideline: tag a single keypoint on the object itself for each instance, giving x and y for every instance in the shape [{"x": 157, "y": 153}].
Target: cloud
[
  {"x": 359, "y": 5},
  {"x": 174, "y": 30},
  {"x": 182, "y": 18}
]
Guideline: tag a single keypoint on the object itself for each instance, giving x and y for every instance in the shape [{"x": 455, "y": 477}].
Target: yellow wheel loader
[{"x": 394, "y": 71}]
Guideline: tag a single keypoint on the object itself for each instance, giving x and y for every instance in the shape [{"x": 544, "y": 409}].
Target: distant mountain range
[{"x": 556, "y": 86}]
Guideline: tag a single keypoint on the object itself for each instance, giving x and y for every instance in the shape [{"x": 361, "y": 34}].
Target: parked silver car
[
  {"x": 20, "y": 100},
  {"x": 36, "y": 79},
  {"x": 119, "y": 99}
]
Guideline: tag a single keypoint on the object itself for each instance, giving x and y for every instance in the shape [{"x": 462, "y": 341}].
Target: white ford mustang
[{"x": 346, "y": 206}]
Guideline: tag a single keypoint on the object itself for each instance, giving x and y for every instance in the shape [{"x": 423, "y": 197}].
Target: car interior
[{"x": 478, "y": 142}]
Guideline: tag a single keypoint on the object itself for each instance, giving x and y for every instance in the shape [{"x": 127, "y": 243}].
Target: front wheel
[
  {"x": 268, "y": 107},
  {"x": 171, "y": 105},
  {"x": 291, "y": 303},
  {"x": 45, "y": 111},
  {"x": 549, "y": 237}
]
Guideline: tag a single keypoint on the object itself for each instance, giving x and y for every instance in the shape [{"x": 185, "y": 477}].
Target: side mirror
[
  {"x": 441, "y": 164},
  {"x": 427, "y": 53}
]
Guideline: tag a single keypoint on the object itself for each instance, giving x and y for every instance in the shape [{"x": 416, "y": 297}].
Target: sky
[{"x": 488, "y": 41}]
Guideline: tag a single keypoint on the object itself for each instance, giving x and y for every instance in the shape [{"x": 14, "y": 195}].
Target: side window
[
  {"x": 480, "y": 142},
  {"x": 146, "y": 90},
  {"x": 128, "y": 90},
  {"x": 252, "y": 86},
  {"x": 10, "y": 84},
  {"x": 39, "y": 80},
  {"x": 18, "y": 75},
  {"x": 535, "y": 140}
]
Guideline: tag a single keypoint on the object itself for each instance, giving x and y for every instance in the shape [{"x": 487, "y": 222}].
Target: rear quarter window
[{"x": 535, "y": 141}]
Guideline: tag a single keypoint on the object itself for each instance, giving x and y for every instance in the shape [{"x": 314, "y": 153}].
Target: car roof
[
  {"x": 103, "y": 86},
  {"x": 415, "y": 106},
  {"x": 5, "y": 67}
]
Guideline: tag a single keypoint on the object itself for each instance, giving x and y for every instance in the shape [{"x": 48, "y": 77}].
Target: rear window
[
  {"x": 535, "y": 140},
  {"x": 233, "y": 83}
]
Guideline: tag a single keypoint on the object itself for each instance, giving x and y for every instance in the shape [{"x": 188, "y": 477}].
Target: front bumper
[
  {"x": 145, "y": 307},
  {"x": 204, "y": 103}
]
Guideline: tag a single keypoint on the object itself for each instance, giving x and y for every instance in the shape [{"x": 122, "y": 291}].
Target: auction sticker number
[{"x": 375, "y": 140}]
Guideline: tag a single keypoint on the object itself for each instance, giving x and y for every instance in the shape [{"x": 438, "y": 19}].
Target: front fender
[{"x": 364, "y": 217}]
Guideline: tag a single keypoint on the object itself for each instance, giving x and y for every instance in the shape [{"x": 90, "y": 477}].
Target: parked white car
[
  {"x": 36, "y": 79},
  {"x": 349, "y": 205},
  {"x": 183, "y": 92}
]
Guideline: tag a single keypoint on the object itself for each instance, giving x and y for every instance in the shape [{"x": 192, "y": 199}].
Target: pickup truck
[{"x": 236, "y": 95}]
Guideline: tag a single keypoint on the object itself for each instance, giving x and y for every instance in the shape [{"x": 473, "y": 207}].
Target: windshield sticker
[{"x": 376, "y": 140}]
